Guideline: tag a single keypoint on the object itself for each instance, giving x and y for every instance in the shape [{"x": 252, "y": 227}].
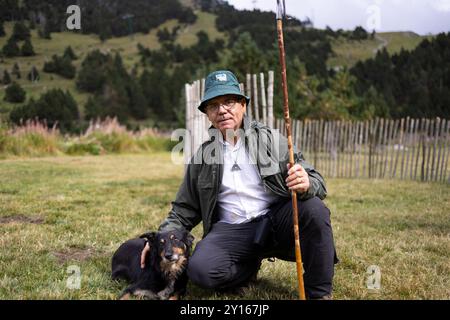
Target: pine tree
[
  {"x": 16, "y": 71},
  {"x": 62, "y": 66},
  {"x": 6, "y": 78},
  {"x": 2, "y": 29},
  {"x": 359, "y": 34},
  {"x": 32, "y": 25},
  {"x": 20, "y": 32},
  {"x": 27, "y": 49},
  {"x": 33, "y": 75},
  {"x": 92, "y": 109},
  {"x": 11, "y": 49},
  {"x": 245, "y": 56},
  {"x": 92, "y": 75},
  {"x": 44, "y": 31},
  {"x": 67, "y": 69},
  {"x": 55, "y": 106},
  {"x": 69, "y": 53},
  {"x": 138, "y": 105},
  {"x": 15, "y": 93}
]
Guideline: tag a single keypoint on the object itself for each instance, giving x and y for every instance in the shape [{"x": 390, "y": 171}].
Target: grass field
[
  {"x": 59, "y": 212},
  {"x": 348, "y": 52}
]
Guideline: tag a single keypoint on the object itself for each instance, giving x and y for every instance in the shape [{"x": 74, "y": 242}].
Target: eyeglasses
[{"x": 228, "y": 104}]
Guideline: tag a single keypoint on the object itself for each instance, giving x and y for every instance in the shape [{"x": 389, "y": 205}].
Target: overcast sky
[{"x": 420, "y": 16}]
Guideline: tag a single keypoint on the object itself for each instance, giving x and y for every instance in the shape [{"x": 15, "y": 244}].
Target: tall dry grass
[
  {"x": 32, "y": 138},
  {"x": 35, "y": 138}
]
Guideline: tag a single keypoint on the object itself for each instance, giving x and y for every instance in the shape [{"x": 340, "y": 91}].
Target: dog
[{"x": 164, "y": 275}]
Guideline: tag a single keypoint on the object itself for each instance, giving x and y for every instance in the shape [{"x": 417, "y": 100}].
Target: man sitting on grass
[{"x": 239, "y": 186}]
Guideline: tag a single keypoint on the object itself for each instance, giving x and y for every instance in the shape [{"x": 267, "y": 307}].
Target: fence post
[
  {"x": 424, "y": 151},
  {"x": 248, "y": 90},
  {"x": 263, "y": 98},
  {"x": 437, "y": 123},
  {"x": 388, "y": 148},
  {"x": 270, "y": 99},
  {"x": 334, "y": 150},
  {"x": 441, "y": 142},
  {"x": 412, "y": 147},
  {"x": 187, "y": 140},
  {"x": 403, "y": 147},
  {"x": 445, "y": 156},
  {"x": 419, "y": 146},
  {"x": 255, "y": 97}
]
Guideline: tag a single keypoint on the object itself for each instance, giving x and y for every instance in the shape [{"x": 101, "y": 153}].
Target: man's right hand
[{"x": 144, "y": 254}]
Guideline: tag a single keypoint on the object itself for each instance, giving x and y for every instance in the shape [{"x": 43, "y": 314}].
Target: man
[{"x": 239, "y": 186}]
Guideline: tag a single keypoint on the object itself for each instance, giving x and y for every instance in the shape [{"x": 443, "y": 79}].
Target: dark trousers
[{"x": 230, "y": 254}]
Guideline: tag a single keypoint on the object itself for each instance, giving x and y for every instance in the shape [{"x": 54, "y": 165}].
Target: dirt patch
[
  {"x": 74, "y": 254},
  {"x": 22, "y": 219}
]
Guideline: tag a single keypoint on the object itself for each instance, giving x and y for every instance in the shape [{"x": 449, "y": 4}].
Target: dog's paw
[
  {"x": 146, "y": 294},
  {"x": 164, "y": 295},
  {"x": 126, "y": 296},
  {"x": 174, "y": 297}
]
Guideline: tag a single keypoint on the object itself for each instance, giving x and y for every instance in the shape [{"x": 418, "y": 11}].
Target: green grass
[
  {"x": 61, "y": 211},
  {"x": 348, "y": 52},
  {"x": 205, "y": 22}
]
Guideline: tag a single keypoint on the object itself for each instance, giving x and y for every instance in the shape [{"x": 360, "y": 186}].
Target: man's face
[{"x": 226, "y": 112}]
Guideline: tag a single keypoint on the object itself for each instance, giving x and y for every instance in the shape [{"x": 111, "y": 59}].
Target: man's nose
[{"x": 222, "y": 109}]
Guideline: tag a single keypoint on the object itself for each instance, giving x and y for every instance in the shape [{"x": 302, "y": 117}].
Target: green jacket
[{"x": 268, "y": 150}]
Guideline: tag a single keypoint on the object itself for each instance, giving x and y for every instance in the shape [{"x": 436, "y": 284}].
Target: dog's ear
[
  {"x": 150, "y": 236},
  {"x": 188, "y": 239}
]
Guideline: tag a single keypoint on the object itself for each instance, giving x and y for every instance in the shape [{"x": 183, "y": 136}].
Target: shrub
[
  {"x": 27, "y": 49},
  {"x": 62, "y": 66},
  {"x": 2, "y": 29},
  {"x": 83, "y": 147},
  {"x": 33, "y": 75},
  {"x": 6, "y": 78},
  {"x": 68, "y": 53},
  {"x": 20, "y": 32},
  {"x": 15, "y": 93},
  {"x": 55, "y": 106},
  {"x": 11, "y": 49}
]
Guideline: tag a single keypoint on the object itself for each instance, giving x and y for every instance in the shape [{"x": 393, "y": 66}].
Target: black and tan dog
[{"x": 164, "y": 275}]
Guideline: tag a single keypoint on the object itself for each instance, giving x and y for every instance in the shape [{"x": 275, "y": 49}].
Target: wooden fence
[{"x": 416, "y": 149}]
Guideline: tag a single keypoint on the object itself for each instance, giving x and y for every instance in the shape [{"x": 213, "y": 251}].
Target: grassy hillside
[
  {"x": 82, "y": 44},
  {"x": 348, "y": 52},
  {"x": 57, "y": 212}
]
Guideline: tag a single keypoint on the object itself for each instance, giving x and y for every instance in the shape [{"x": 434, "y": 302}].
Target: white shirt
[{"x": 242, "y": 197}]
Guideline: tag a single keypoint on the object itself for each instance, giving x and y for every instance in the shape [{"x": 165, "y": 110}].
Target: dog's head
[{"x": 172, "y": 249}]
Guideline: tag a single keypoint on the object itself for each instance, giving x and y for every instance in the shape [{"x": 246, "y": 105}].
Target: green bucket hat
[{"x": 220, "y": 83}]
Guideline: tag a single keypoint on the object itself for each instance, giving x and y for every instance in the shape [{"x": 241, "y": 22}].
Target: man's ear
[{"x": 150, "y": 236}]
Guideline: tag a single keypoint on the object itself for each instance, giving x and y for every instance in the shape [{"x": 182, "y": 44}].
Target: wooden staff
[{"x": 298, "y": 256}]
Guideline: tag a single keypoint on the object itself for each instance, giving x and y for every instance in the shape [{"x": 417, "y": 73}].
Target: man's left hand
[{"x": 298, "y": 179}]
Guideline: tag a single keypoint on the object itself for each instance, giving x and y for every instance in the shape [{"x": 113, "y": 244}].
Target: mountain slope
[{"x": 348, "y": 52}]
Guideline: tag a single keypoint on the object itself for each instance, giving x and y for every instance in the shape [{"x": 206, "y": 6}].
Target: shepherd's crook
[{"x": 281, "y": 9}]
